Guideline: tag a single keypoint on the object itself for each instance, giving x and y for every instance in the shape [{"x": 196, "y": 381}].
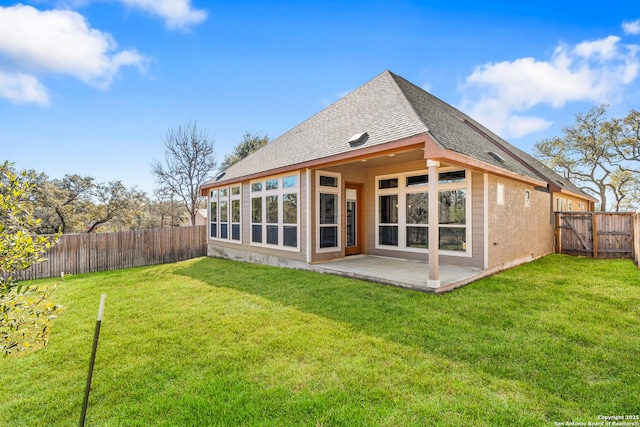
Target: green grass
[{"x": 214, "y": 342}]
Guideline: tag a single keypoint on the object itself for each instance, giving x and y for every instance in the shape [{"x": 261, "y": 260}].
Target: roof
[{"x": 388, "y": 108}]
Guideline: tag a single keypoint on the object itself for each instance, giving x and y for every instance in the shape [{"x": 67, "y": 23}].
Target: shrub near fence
[{"x": 91, "y": 252}]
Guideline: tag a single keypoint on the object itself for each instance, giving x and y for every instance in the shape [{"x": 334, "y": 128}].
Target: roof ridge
[
  {"x": 295, "y": 129},
  {"x": 405, "y": 96},
  {"x": 328, "y": 107},
  {"x": 359, "y": 105}
]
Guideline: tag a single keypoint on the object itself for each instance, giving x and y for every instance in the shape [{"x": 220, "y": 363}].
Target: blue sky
[{"x": 92, "y": 86}]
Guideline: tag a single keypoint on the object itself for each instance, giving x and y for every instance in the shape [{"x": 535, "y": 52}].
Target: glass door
[{"x": 353, "y": 220}]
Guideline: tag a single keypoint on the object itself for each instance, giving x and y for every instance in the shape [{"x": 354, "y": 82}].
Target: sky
[{"x": 92, "y": 86}]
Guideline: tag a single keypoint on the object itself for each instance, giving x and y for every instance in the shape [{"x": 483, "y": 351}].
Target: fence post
[
  {"x": 558, "y": 233},
  {"x": 594, "y": 229},
  {"x": 636, "y": 237}
]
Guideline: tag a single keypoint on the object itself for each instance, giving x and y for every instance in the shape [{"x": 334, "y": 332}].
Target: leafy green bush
[{"x": 25, "y": 314}]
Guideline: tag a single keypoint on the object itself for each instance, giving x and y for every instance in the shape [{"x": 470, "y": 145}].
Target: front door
[{"x": 354, "y": 221}]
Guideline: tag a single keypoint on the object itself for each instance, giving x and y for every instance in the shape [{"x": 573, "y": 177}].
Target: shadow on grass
[{"x": 565, "y": 325}]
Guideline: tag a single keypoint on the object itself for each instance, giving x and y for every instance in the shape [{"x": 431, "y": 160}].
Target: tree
[
  {"x": 25, "y": 314},
  {"x": 165, "y": 211},
  {"x": 76, "y": 204},
  {"x": 113, "y": 201},
  {"x": 627, "y": 190},
  {"x": 624, "y": 137},
  {"x": 189, "y": 163},
  {"x": 62, "y": 202},
  {"x": 249, "y": 144},
  {"x": 599, "y": 155}
]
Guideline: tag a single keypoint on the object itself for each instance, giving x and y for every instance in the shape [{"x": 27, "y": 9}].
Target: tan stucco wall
[
  {"x": 568, "y": 203},
  {"x": 517, "y": 232}
]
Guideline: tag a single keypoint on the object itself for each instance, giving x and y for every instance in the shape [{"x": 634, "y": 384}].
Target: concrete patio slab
[{"x": 399, "y": 272}]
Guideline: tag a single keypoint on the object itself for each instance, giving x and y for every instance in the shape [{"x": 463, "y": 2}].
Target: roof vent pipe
[{"x": 496, "y": 156}]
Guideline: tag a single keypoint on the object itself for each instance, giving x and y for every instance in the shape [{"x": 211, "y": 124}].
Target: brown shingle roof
[
  {"x": 389, "y": 108},
  {"x": 378, "y": 107}
]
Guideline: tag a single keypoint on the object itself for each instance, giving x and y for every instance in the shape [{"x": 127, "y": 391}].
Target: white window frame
[
  {"x": 402, "y": 190},
  {"x": 320, "y": 189},
  {"x": 500, "y": 194},
  {"x": 563, "y": 204},
  {"x": 223, "y": 199},
  {"x": 527, "y": 198},
  {"x": 232, "y": 198},
  {"x": 280, "y": 192},
  {"x": 215, "y": 196}
]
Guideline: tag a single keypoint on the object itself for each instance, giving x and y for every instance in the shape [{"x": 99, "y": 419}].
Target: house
[
  {"x": 201, "y": 217},
  {"x": 388, "y": 170}
]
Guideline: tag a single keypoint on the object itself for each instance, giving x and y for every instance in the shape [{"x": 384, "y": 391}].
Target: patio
[{"x": 399, "y": 272}]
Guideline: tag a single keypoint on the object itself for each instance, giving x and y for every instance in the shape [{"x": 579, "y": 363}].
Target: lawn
[{"x": 216, "y": 342}]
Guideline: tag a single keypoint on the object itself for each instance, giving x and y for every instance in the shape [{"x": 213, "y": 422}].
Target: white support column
[{"x": 434, "y": 230}]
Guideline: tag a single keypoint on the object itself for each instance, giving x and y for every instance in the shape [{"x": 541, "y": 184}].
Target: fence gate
[{"x": 595, "y": 234}]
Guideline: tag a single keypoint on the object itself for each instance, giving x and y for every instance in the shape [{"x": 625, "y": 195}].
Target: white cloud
[
  {"x": 604, "y": 49},
  {"x": 498, "y": 94},
  {"x": 177, "y": 14},
  {"x": 23, "y": 89},
  {"x": 34, "y": 42},
  {"x": 632, "y": 27}
]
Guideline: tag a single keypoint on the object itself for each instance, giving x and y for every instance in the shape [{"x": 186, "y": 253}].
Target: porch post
[{"x": 434, "y": 230}]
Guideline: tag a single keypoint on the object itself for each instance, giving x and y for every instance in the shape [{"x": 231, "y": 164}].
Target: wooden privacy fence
[
  {"x": 91, "y": 252},
  {"x": 597, "y": 234}
]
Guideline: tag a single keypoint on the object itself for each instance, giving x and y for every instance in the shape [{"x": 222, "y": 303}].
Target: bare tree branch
[{"x": 189, "y": 162}]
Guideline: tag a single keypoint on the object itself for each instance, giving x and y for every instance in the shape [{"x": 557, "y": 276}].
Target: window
[
  {"x": 527, "y": 198},
  {"x": 561, "y": 204},
  {"x": 451, "y": 177},
  {"x": 328, "y": 235},
  {"x": 500, "y": 194},
  {"x": 413, "y": 181},
  {"x": 388, "y": 219},
  {"x": 402, "y": 211},
  {"x": 417, "y": 220},
  {"x": 275, "y": 212},
  {"x": 290, "y": 220},
  {"x": 256, "y": 219},
  {"x": 271, "y": 204},
  {"x": 224, "y": 210},
  {"x": 328, "y": 181},
  {"x": 388, "y": 183},
  {"x": 213, "y": 214},
  {"x": 224, "y": 219},
  {"x": 570, "y": 204},
  {"x": 453, "y": 214}
]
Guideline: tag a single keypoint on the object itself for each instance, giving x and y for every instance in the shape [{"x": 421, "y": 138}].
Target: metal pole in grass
[{"x": 93, "y": 359}]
